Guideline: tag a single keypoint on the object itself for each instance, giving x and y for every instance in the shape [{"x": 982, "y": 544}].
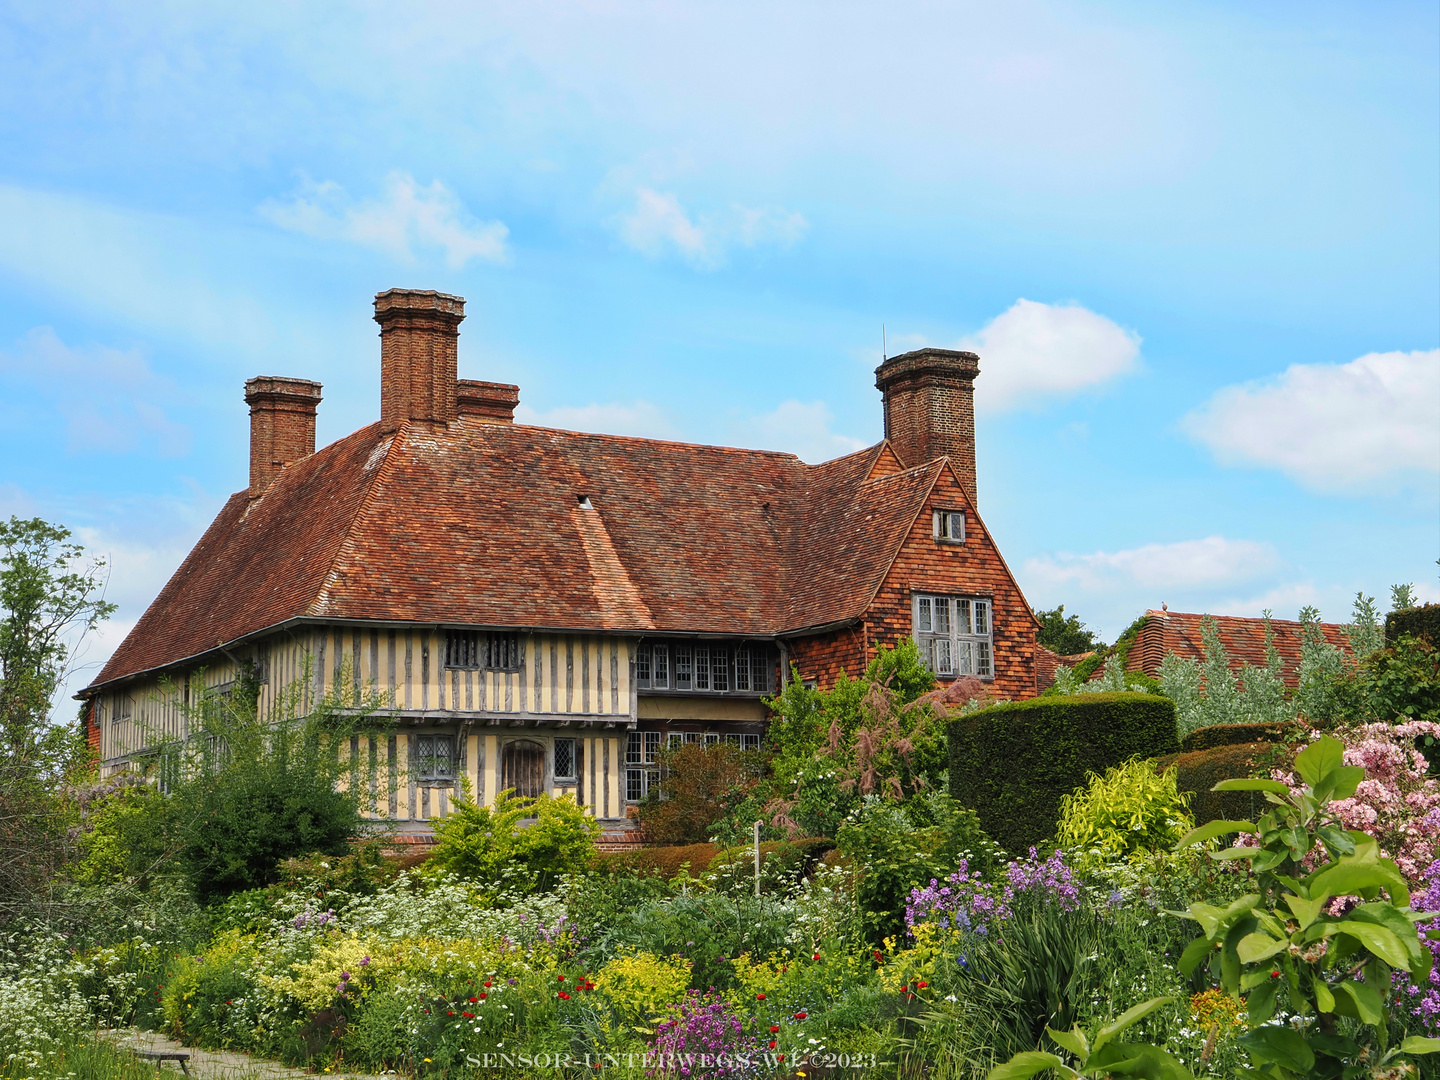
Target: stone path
[{"x": 213, "y": 1064}]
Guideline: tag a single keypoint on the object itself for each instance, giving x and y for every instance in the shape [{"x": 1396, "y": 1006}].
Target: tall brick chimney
[
  {"x": 930, "y": 408},
  {"x": 419, "y": 330},
  {"x": 488, "y": 402},
  {"x": 282, "y": 425}
]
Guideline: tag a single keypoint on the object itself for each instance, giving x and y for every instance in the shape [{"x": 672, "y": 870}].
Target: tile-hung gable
[{"x": 544, "y": 609}]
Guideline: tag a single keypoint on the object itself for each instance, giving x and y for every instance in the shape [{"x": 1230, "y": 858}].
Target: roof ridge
[
  {"x": 346, "y": 546},
  {"x": 668, "y": 442}
]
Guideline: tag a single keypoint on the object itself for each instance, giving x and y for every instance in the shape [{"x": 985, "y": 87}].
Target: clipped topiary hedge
[
  {"x": 1207, "y": 738},
  {"x": 1420, "y": 622},
  {"x": 1013, "y": 763},
  {"x": 1200, "y": 770}
]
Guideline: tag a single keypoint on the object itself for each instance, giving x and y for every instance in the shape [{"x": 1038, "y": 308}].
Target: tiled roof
[
  {"x": 1244, "y": 639},
  {"x": 511, "y": 525},
  {"x": 1048, "y": 662}
]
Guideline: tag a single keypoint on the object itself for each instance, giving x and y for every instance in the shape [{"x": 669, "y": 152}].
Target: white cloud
[
  {"x": 109, "y": 398},
  {"x": 659, "y": 225},
  {"x": 1331, "y": 425},
  {"x": 408, "y": 216},
  {"x": 800, "y": 429},
  {"x": 611, "y": 418},
  {"x": 1035, "y": 351},
  {"x": 1186, "y": 565}
]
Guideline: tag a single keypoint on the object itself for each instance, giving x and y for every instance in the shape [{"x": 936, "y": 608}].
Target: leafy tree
[
  {"x": 50, "y": 597},
  {"x": 534, "y": 841},
  {"x": 1065, "y": 634}
]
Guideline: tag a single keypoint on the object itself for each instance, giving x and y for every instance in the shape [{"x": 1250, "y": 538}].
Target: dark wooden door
[{"x": 522, "y": 767}]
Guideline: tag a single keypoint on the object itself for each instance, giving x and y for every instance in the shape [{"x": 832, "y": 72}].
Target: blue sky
[{"x": 1195, "y": 245}]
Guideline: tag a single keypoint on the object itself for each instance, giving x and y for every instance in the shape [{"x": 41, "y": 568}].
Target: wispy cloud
[
  {"x": 1187, "y": 564},
  {"x": 408, "y": 216},
  {"x": 1331, "y": 426},
  {"x": 799, "y": 428},
  {"x": 610, "y": 418},
  {"x": 658, "y": 225},
  {"x": 1036, "y": 351},
  {"x": 110, "y": 398}
]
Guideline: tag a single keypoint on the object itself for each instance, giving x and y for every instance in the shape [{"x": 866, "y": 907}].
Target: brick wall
[
  {"x": 419, "y": 339},
  {"x": 974, "y": 568},
  {"x": 282, "y": 425}
]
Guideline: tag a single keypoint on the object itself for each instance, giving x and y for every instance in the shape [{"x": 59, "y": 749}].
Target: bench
[{"x": 159, "y": 1056}]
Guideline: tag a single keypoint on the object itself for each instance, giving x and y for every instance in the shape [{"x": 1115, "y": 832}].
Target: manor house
[{"x": 542, "y": 609}]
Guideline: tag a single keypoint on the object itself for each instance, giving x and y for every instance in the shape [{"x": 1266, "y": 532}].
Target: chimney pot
[
  {"x": 282, "y": 425},
  {"x": 419, "y": 332},
  {"x": 929, "y": 397},
  {"x": 488, "y": 402}
]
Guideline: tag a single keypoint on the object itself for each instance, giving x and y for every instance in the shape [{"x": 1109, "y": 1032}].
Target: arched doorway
[{"x": 522, "y": 767}]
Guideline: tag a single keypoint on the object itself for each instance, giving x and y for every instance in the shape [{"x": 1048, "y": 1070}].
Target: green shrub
[
  {"x": 208, "y": 999},
  {"x": 1419, "y": 622},
  {"x": 1013, "y": 763},
  {"x": 1197, "y": 772},
  {"x": 1206, "y": 738},
  {"x": 782, "y": 863},
  {"x": 125, "y": 838},
  {"x": 1131, "y": 809},
  {"x": 487, "y": 844}
]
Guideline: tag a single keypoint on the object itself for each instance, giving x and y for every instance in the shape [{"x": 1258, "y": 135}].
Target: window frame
[
  {"x": 948, "y": 525},
  {"x": 705, "y": 667},
  {"x": 573, "y": 776},
  {"x": 434, "y": 777},
  {"x": 961, "y": 644}
]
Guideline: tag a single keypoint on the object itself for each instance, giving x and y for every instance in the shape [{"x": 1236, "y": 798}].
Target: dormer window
[{"x": 949, "y": 526}]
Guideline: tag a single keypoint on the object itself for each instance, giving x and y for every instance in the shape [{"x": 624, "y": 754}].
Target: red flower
[
  {"x": 487, "y": 982},
  {"x": 560, "y": 977},
  {"x": 817, "y": 956},
  {"x": 473, "y": 1000},
  {"x": 468, "y": 1016},
  {"x": 564, "y": 996},
  {"x": 779, "y": 1057},
  {"x": 922, "y": 985},
  {"x": 482, "y": 995},
  {"x": 905, "y": 989},
  {"x": 759, "y": 997},
  {"x": 449, "y": 1014},
  {"x": 774, "y": 1028},
  {"x": 800, "y": 1016},
  {"x": 876, "y": 953},
  {"x": 772, "y": 1044},
  {"x": 1274, "y": 974}
]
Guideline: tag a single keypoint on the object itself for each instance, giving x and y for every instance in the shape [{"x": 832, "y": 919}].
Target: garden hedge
[
  {"x": 1420, "y": 622},
  {"x": 1200, "y": 770},
  {"x": 1013, "y": 763},
  {"x": 664, "y": 861},
  {"x": 1207, "y": 738}
]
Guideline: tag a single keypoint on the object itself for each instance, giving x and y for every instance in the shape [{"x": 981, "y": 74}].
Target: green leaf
[
  {"x": 1306, "y": 911},
  {"x": 1420, "y": 1044},
  {"x": 1139, "y": 1060},
  {"x": 1256, "y": 947},
  {"x": 1025, "y": 1065},
  {"x": 1398, "y": 923},
  {"x": 1319, "y": 758},
  {"x": 1336, "y": 1046},
  {"x": 1252, "y": 784},
  {"x": 1359, "y": 1002},
  {"x": 1125, "y": 1019},
  {"x": 1281, "y": 1046},
  {"x": 1324, "y": 999},
  {"x": 1235, "y": 853},
  {"x": 1213, "y": 829},
  {"x": 1339, "y": 783},
  {"x": 1261, "y": 1003},
  {"x": 1197, "y": 951},
  {"x": 1073, "y": 1040},
  {"x": 1379, "y": 940}
]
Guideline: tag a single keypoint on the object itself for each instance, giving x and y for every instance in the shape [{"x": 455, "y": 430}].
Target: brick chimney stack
[
  {"x": 419, "y": 330},
  {"x": 929, "y": 399},
  {"x": 282, "y": 425},
  {"x": 488, "y": 402}
]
